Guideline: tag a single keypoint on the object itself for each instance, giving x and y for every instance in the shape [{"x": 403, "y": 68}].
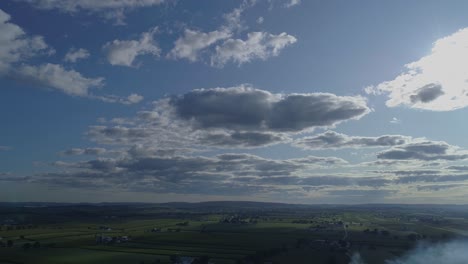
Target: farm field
[{"x": 224, "y": 233}]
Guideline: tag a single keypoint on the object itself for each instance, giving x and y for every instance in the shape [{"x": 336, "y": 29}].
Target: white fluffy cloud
[
  {"x": 193, "y": 42},
  {"x": 258, "y": 45},
  {"x": 131, "y": 99},
  {"x": 55, "y": 76},
  {"x": 73, "y": 55},
  {"x": 16, "y": 45},
  {"x": 435, "y": 82},
  {"x": 124, "y": 52}
]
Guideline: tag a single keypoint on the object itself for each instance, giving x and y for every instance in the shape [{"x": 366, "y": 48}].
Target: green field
[{"x": 242, "y": 234}]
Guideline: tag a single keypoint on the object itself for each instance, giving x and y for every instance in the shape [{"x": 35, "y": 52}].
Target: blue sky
[{"x": 268, "y": 100}]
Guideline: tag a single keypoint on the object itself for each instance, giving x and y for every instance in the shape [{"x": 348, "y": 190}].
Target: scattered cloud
[
  {"x": 395, "y": 121},
  {"x": 131, "y": 99},
  {"x": 241, "y": 139},
  {"x": 458, "y": 168},
  {"x": 334, "y": 140},
  {"x": 234, "y": 18},
  {"x": 257, "y": 45},
  {"x": 85, "y": 151},
  {"x": 110, "y": 9},
  {"x": 124, "y": 52},
  {"x": 17, "y": 46},
  {"x": 260, "y": 20},
  {"x": 180, "y": 174},
  {"x": 57, "y": 77},
  {"x": 236, "y": 117},
  {"x": 424, "y": 150},
  {"x": 436, "y": 82},
  {"x": 438, "y": 187},
  {"x": 73, "y": 55},
  {"x": 292, "y": 3},
  {"x": 193, "y": 42}
]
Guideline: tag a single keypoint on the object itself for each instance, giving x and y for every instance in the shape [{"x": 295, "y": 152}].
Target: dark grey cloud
[
  {"x": 437, "y": 187},
  {"x": 431, "y": 178},
  {"x": 138, "y": 151},
  {"x": 415, "y": 172},
  {"x": 191, "y": 174},
  {"x": 384, "y": 163},
  {"x": 362, "y": 192},
  {"x": 334, "y": 140},
  {"x": 345, "y": 181},
  {"x": 120, "y": 135},
  {"x": 458, "y": 168},
  {"x": 426, "y": 151},
  {"x": 427, "y": 93},
  {"x": 237, "y": 117},
  {"x": 240, "y": 139},
  {"x": 321, "y": 181},
  {"x": 244, "y": 108}
]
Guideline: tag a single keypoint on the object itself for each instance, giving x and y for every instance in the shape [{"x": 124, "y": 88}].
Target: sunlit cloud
[{"x": 438, "y": 81}]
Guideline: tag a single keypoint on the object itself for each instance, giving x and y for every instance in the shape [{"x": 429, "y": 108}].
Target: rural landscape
[
  {"x": 233, "y": 132},
  {"x": 221, "y": 232}
]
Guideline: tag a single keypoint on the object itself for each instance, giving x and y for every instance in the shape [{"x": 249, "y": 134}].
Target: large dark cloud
[
  {"x": 244, "y": 108},
  {"x": 331, "y": 139},
  {"x": 237, "y": 117}
]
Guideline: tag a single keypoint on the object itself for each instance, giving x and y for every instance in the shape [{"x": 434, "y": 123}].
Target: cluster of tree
[
  {"x": 262, "y": 255},
  {"x": 415, "y": 236},
  {"x": 156, "y": 261},
  {"x": 17, "y": 227},
  {"x": 186, "y": 223},
  {"x": 9, "y": 243},
  {"x": 376, "y": 231},
  {"x": 302, "y": 221},
  {"x": 28, "y": 245},
  {"x": 238, "y": 220},
  {"x": 198, "y": 260}
]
